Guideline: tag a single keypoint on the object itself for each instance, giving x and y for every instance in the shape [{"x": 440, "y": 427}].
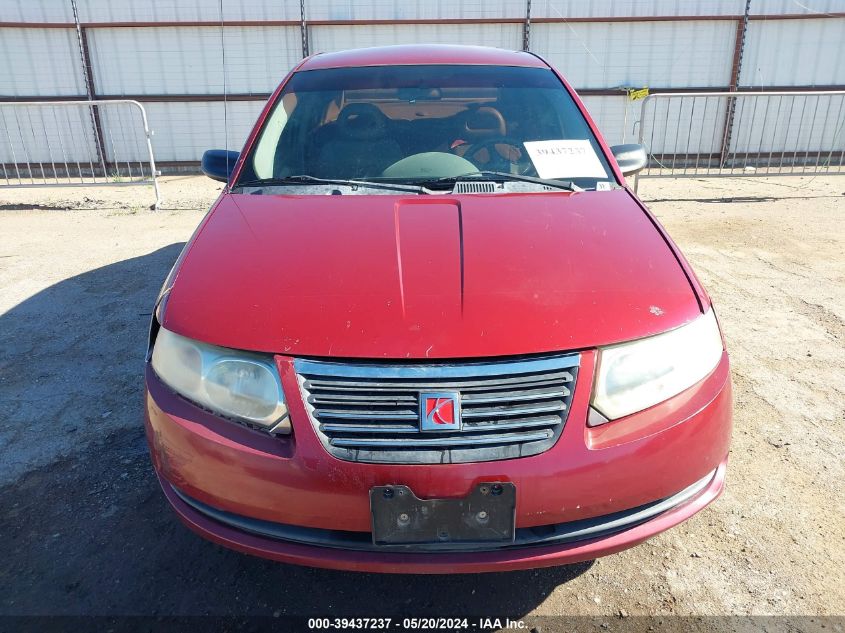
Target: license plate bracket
[{"x": 486, "y": 515}]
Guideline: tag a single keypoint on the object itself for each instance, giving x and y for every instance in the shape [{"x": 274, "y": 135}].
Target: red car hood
[{"x": 428, "y": 276}]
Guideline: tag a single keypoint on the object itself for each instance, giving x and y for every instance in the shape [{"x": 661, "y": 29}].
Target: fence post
[
  {"x": 736, "y": 68},
  {"x": 526, "y": 27},
  {"x": 148, "y": 135},
  {"x": 303, "y": 27},
  {"x": 88, "y": 77},
  {"x": 640, "y": 138}
]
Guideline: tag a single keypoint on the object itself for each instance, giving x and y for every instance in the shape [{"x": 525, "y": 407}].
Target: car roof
[{"x": 418, "y": 54}]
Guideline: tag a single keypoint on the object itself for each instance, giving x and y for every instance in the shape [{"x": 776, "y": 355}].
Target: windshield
[{"x": 425, "y": 125}]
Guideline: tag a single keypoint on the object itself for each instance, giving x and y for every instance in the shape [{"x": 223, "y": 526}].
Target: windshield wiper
[
  {"x": 314, "y": 180},
  {"x": 567, "y": 185}
]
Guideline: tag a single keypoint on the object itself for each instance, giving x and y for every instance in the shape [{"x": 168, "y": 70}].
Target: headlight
[
  {"x": 235, "y": 384},
  {"x": 637, "y": 375}
]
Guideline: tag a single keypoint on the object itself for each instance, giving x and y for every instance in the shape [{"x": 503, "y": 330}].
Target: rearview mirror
[
  {"x": 218, "y": 164},
  {"x": 631, "y": 157}
]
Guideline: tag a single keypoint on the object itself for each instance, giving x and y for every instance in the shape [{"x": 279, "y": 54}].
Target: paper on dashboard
[{"x": 565, "y": 158}]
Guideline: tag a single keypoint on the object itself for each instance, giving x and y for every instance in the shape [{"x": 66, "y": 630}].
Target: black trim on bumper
[{"x": 554, "y": 534}]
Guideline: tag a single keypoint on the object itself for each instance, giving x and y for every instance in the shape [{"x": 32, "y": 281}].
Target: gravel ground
[{"x": 85, "y": 529}]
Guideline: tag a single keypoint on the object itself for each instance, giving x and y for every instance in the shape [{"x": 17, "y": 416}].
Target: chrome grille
[{"x": 370, "y": 412}]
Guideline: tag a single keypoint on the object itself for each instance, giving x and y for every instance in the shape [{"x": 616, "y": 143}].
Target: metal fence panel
[
  {"x": 41, "y": 134},
  {"x": 743, "y": 133},
  {"x": 61, "y": 143},
  {"x": 678, "y": 126},
  {"x": 798, "y": 123}
]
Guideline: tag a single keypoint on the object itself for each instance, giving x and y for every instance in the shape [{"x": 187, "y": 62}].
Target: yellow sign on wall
[{"x": 635, "y": 94}]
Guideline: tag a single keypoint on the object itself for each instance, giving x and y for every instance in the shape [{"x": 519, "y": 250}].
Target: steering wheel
[{"x": 498, "y": 158}]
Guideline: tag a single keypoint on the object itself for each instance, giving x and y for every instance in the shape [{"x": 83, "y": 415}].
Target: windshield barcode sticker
[{"x": 565, "y": 159}]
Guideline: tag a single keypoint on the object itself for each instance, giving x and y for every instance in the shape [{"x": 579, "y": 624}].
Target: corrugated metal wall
[
  {"x": 36, "y": 62},
  {"x": 336, "y": 38},
  {"x": 181, "y": 61},
  {"x": 794, "y": 53},
  {"x": 170, "y": 55}
]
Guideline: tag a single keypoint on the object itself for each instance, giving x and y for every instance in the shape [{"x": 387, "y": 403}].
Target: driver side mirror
[
  {"x": 218, "y": 164},
  {"x": 631, "y": 157}
]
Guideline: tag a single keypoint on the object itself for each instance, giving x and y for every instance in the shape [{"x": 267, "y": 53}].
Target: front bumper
[{"x": 224, "y": 480}]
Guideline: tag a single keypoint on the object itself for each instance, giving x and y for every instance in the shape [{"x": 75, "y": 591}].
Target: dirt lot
[{"x": 85, "y": 529}]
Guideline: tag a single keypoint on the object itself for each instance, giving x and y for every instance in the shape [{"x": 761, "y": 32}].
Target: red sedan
[{"x": 427, "y": 327}]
